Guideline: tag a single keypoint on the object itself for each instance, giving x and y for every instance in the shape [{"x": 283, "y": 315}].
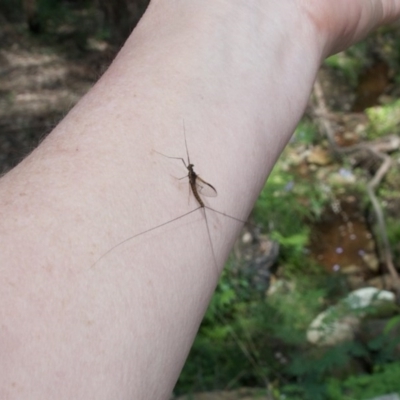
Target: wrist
[{"x": 228, "y": 56}]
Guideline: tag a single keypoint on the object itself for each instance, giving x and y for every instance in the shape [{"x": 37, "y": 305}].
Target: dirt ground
[{"x": 39, "y": 84}]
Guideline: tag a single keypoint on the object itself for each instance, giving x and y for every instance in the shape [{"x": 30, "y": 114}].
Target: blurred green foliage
[
  {"x": 250, "y": 340},
  {"x": 383, "y": 380},
  {"x": 350, "y": 62},
  {"x": 383, "y": 119}
]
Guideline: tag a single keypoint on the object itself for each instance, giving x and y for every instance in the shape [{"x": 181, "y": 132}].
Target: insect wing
[{"x": 204, "y": 188}]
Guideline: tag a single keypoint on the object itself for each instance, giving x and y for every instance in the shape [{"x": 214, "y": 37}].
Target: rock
[
  {"x": 365, "y": 297},
  {"x": 340, "y": 322},
  {"x": 328, "y": 329}
]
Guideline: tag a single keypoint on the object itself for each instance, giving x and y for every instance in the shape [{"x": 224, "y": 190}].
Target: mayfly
[{"x": 199, "y": 188}]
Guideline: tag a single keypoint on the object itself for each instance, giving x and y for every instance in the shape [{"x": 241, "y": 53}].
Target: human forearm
[{"x": 83, "y": 325}]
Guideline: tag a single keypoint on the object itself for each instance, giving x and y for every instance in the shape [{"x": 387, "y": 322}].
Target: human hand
[{"x": 344, "y": 22}]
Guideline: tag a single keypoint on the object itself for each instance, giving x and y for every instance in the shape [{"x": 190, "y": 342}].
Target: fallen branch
[{"x": 378, "y": 149}]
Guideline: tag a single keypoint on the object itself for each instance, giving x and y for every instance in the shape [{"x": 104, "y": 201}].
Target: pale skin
[{"x": 239, "y": 74}]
